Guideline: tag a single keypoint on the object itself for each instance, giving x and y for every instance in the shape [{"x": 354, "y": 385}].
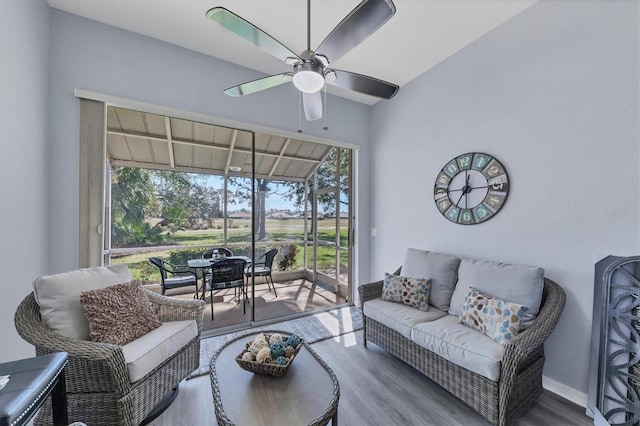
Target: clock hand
[{"x": 465, "y": 189}]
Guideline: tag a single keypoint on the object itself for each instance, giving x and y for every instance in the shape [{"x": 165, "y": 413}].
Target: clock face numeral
[
  {"x": 499, "y": 184},
  {"x": 443, "y": 180},
  {"x": 494, "y": 201},
  {"x": 480, "y": 161},
  {"x": 451, "y": 169},
  {"x": 471, "y": 188},
  {"x": 440, "y": 193},
  {"x": 481, "y": 213},
  {"x": 443, "y": 205},
  {"x": 464, "y": 161},
  {"x": 466, "y": 217},
  {"x": 452, "y": 214},
  {"x": 493, "y": 170}
]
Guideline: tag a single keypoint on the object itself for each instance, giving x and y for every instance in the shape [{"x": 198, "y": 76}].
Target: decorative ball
[
  {"x": 289, "y": 351},
  {"x": 264, "y": 356},
  {"x": 261, "y": 337},
  {"x": 257, "y": 346},
  {"x": 293, "y": 340},
  {"x": 275, "y": 338},
  {"x": 248, "y": 356},
  {"x": 277, "y": 349},
  {"x": 281, "y": 360}
]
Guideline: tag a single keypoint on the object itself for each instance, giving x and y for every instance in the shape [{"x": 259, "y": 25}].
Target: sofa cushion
[
  {"x": 515, "y": 283},
  {"x": 442, "y": 269},
  {"x": 399, "y": 317},
  {"x": 496, "y": 318},
  {"x": 460, "y": 345},
  {"x": 119, "y": 313},
  {"x": 410, "y": 291},
  {"x": 58, "y": 296},
  {"x": 147, "y": 352}
]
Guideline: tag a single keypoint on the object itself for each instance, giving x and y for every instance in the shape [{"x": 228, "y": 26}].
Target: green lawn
[{"x": 239, "y": 239}]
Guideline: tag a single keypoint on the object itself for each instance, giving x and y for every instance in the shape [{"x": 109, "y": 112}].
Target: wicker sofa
[
  {"x": 517, "y": 377},
  {"x": 109, "y": 384}
]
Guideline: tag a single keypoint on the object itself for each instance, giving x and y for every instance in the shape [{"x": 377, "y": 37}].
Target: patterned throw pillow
[
  {"x": 409, "y": 291},
  {"x": 496, "y": 318},
  {"x": 118, "y": 314}
]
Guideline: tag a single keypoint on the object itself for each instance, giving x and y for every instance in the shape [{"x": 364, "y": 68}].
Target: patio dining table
[{"x": 201, "y": 266}]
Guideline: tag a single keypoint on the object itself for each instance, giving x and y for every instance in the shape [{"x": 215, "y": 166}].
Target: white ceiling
[{"x": 420, "y": 35}]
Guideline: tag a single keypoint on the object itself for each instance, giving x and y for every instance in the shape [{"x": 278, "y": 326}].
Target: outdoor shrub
[
  {"x": 148, "y": 272},
  {"x": 180, "y": 257},
  {"x": 289, "y": 257}
]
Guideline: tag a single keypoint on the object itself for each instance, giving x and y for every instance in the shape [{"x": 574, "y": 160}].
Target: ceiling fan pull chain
[
  {"x": 308, "y": 24},
  {"x": 326, "y": 109},
  {"x": 299, "y": 112}
]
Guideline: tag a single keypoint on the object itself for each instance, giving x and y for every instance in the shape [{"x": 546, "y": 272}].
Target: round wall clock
[{"x": 471, "y": 188}]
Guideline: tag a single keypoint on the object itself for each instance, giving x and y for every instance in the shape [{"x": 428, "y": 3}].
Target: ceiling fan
[{"x": 311, "y": 68}]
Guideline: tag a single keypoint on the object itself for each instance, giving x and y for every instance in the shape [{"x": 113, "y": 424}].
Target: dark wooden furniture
[
  {"x": 307, "y": 394},
  {"x": 32, "y": 381}
]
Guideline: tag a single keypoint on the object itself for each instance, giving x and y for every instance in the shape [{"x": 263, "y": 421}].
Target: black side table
[{"x": 32, "y": 381}]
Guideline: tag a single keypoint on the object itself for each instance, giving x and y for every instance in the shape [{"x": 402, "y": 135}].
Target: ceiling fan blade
[
  {"x": 363, "y": 21},
  {"x": 251, "y": 33},
  {"x": 365, "y": 84},
  {"x": 259, "y": 84},
  {"x": 312, "y": 103}
]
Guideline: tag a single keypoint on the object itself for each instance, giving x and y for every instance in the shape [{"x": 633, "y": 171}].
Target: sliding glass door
[{"x": 177, "y": 189}]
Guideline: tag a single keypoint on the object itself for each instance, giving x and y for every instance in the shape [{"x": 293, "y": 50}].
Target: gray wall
[
  {"x": 553, "y": 94},
  {"x": 24, "y": 143},
  {"x": 92, "y": 56}
]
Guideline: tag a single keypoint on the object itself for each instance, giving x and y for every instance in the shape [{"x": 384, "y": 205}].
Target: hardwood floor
[{"x": 377, "y": 389}]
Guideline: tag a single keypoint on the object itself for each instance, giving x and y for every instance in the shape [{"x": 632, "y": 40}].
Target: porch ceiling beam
[
  {"x": 232, "y": 145},
  {"x": 275, "y": 163},
  {"x": 167, "y": 125},
  {"x": 177, "y": 141},
  {"x": 200, "y": 170},
  {"x": 324, "y": 157}
]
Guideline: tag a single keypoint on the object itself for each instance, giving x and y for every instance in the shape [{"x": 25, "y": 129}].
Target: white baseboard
[{"x": 565, "y": 391}]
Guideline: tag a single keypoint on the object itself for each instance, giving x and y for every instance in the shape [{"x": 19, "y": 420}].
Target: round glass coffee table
[{"x": 307, "y": 394}]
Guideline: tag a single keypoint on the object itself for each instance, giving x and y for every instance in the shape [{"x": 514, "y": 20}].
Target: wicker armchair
[
  {"x": 521, "y": 367},
  {"x": 97, "y": 381}
]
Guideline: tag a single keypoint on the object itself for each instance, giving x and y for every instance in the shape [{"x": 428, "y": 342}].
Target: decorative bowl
[{"x": 269, "y": 365}]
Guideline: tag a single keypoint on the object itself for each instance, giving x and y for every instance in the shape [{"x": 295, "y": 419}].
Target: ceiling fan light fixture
[{"x": 308, "y": 77}]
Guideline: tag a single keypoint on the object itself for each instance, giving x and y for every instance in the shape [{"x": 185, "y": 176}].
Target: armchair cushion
[
  {"x": 147, "y": 352},
  {"x": 58, "y": 297},
  {"x": 119, "y": 313}
]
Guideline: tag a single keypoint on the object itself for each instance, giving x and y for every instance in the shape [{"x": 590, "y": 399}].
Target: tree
[
  {"x": 243, "y": 192},
  {"x": 132, "y": 194},
  {"x": 178, "y": 199},
  {"x": 326, "y": 176}
]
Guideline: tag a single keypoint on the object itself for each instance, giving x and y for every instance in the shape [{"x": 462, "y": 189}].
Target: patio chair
[
  {"x": 228, "y": 273},
  {"x": 224, "y": 252},
  {"x": 174, "y": 276},
  {"x": 263, "y": 268}
]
